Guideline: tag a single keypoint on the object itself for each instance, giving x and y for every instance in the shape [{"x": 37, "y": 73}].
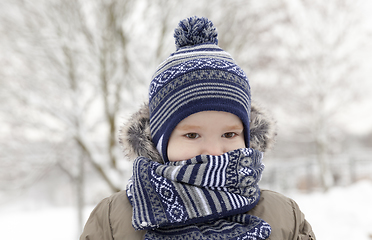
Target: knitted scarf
[{"x": 205, "y": 197}]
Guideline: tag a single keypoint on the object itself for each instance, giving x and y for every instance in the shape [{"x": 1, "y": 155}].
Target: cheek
[
  {"x": 181, "y": 151},
  {"x": 233, "y": 145}
]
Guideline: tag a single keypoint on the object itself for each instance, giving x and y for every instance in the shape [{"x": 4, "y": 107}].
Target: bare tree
[
  {"x": 73, "y": 71},
  {"x": 78, "y": 52},
  {"x": 318, "y": 70}
]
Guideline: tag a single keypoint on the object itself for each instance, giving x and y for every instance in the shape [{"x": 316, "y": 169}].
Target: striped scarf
[{"x": 205, "y": 197}]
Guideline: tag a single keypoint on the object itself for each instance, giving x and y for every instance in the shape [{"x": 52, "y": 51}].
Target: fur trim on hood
[{"x": 135, "y": 136}]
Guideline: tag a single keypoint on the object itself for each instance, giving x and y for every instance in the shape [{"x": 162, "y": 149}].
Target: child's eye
[
  {"x": 192, "y": 135},
  {"x": 229, "y": 135}
]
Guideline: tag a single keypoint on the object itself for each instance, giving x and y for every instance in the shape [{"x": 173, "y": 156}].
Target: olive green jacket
[{"x": 112, "y": 219}]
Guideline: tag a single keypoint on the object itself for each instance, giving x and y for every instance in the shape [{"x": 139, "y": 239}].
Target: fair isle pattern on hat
[
  {"x": 199, "y": 76},
  {"x": 206, "y": 197},
  {"x": 199, "y": 83}
]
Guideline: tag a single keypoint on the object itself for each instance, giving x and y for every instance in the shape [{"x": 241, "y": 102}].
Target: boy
[{"x": 198, "y": 159}]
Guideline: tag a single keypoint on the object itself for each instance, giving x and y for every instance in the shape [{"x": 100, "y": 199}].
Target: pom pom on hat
[{"x": 194, "y": 31}]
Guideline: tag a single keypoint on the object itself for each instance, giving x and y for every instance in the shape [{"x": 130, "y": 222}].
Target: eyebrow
[
  {"x": 234, "y": 127},
  {"x": 187, "y": 127}
]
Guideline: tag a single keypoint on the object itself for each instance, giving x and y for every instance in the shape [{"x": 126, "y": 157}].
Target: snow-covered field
[{"x": 341, "y": 214}]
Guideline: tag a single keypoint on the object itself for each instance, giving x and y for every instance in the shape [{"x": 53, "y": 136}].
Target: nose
[{"x": 212, "y": 148}]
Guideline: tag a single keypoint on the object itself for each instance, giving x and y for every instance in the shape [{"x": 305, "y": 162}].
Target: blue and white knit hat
[{"x": 199, "y": 76}]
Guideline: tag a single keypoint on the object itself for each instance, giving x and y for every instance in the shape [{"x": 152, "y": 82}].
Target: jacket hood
[{"x": 135, "y": 137}]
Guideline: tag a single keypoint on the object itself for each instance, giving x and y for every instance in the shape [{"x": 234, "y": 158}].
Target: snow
[
  {"x": 48, "y": 223},
  {"x": 341, "y": 213}
]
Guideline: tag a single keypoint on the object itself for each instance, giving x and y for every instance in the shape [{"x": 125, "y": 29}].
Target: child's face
[{"x": 205, "y": 133}]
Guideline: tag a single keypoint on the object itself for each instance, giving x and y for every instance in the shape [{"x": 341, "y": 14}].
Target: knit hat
[{"x": 199, "y": 76}]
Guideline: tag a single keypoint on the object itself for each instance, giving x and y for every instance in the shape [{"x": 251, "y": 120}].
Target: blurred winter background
[{"x": 71, "y": 72}]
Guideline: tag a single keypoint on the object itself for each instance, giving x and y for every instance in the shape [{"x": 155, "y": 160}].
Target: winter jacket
[{"x": 111, "y": 219}]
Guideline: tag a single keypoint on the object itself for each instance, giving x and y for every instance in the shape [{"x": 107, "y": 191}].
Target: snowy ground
[{"x": 340, "y": 214}]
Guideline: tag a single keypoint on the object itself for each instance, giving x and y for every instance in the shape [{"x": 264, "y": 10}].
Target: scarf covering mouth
[{"x": 205, "y": 197}]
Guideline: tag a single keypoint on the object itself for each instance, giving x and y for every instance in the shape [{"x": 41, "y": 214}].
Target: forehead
[{"x": 210, "y": 119}]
